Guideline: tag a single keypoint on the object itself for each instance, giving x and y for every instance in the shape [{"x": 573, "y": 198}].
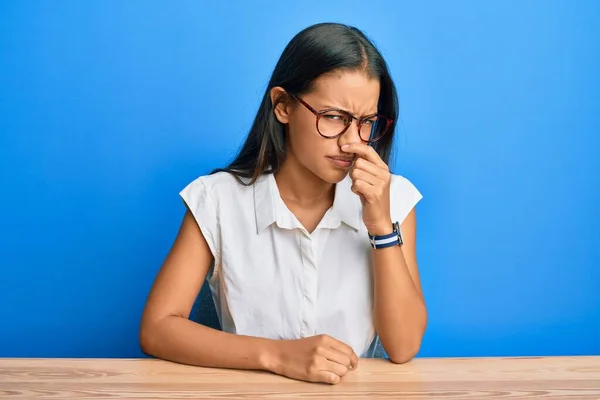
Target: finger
[
  {"x": 363, "y": 188},
  {"x": 344, "y": 348},
  {"x": 325, "y": 377},
  {"x": 364, "y": 151},
  {"x": 368, "y": 166},
  {"x": 337, "y": 356},
  {"x": 338, "y": 369},
  {"x": 359, "y": 174}
]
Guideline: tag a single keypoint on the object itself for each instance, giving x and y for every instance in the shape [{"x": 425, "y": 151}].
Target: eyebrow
[{"x": 326, "y": 107}]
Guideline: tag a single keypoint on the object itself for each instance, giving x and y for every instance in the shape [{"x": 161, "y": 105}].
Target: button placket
[{"x": 309, "y": 271}]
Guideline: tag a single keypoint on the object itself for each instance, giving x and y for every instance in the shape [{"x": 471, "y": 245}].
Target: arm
[
  {"x": 399, "y": 311},
  {"x": 399, "y": 307},
  {"x": 167, "y": 333}
]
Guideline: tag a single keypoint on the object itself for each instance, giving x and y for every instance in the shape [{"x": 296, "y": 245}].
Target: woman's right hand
[{"x": 314, "y": 359}]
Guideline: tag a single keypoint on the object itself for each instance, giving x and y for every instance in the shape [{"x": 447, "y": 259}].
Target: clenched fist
[{"x": 315, "y": 359}]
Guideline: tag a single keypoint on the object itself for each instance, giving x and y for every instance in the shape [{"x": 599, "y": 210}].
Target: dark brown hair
[{"x": 313, "y": 52}]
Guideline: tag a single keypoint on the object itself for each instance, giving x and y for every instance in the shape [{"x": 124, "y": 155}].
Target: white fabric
[{"x": 273, "y": 279}]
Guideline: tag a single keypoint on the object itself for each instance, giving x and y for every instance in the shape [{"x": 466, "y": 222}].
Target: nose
[{"x": 351, "y": 135}]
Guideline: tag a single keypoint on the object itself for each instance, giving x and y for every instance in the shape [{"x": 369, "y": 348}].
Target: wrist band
[{"x": 389, "y": 240}]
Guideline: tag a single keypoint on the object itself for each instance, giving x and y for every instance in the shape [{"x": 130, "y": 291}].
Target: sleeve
[
  {"x": 404, "y": 197},
  {"x": 198, "y": 198}
]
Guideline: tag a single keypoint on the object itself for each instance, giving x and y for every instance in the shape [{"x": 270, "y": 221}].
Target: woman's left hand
[{"x": 371, "y": 179}]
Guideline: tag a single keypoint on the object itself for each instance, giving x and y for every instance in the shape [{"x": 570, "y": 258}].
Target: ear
[{"x": 281, "y": 103}]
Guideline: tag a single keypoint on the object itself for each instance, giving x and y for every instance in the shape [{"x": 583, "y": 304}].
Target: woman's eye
[{"x": 336, "y": 118}]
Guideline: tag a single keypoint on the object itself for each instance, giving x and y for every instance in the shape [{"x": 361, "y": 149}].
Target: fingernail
[{"x": 344, "y": 147}]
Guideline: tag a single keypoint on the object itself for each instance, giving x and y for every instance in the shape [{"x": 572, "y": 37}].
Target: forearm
[
  {"x": 400, "y": 316},
  {"x": 180, "y": 340}
]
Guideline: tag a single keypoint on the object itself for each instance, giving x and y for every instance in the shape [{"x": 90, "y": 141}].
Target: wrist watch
[{"x": 389, "y": 240}]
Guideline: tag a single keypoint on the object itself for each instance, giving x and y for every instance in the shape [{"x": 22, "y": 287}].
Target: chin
[{"x": 332, "y": 175}]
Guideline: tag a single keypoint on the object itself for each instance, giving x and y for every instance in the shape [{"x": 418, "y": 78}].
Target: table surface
[{"x": 442, "y": 378}]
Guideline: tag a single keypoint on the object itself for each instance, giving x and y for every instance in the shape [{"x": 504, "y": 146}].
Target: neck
[{"x": 299, "y": 185}]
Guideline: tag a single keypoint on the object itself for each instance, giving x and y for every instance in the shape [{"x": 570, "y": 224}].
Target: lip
[{"x": 341, "y": 162}]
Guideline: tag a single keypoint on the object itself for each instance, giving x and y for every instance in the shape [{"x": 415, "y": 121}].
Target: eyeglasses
[{"x": 333, "y": 123}]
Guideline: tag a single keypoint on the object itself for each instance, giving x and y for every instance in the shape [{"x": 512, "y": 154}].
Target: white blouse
[{"x": 271, "y": 278}]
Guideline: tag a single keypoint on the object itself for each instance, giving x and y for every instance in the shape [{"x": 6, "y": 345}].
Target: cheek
[{"x": 305, "y": 141}]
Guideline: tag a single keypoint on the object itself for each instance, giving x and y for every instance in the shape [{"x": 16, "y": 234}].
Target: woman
[{"x": 306, "y": 238}]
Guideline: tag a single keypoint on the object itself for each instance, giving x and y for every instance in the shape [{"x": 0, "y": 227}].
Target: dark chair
[{"x": 203, "y": 311}]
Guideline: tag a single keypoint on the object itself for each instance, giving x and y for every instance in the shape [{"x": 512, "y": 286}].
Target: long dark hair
[{"x": 314, "y": 51}]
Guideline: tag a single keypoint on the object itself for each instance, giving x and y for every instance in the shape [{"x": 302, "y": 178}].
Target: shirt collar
[{"x": 269, "y": 206}]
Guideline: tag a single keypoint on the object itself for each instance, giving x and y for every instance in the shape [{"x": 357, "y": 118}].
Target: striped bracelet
[{"x": 389, "y": 240}]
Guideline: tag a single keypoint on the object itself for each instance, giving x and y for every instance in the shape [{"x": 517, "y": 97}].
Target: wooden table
[{"x": 478, "y": 378}]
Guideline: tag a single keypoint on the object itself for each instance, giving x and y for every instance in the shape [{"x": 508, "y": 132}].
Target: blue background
[{"x": 109, "y": 108}]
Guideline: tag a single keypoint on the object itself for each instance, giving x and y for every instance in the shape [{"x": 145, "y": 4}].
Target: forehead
[{"x": 352, "y": 90}]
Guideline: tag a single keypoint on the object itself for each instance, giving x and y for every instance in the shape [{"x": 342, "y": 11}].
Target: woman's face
[{"x": 351, "y": 91}]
